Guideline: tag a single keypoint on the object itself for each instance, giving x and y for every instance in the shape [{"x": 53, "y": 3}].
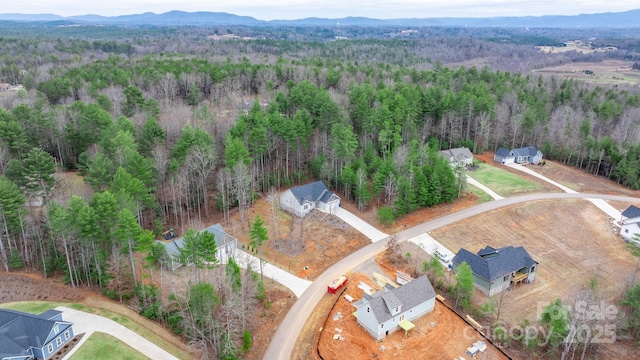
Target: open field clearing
[
  {"x": 503, "y": 182},
  {"x": 604, "y": 72}
]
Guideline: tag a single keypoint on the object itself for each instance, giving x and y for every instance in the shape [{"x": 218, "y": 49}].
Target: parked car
[{"x": 444, "y": 257}]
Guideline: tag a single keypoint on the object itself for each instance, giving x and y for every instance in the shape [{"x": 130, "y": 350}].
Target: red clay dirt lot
[
  {"x": 316, "y": 242},
  {"x": 440, "y": 334}
]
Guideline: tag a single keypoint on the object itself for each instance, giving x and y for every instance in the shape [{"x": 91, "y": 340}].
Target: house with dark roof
[
  {"x": 630, "y": 224},
  {"x": 302, "y": 199},
  {"x": 391, "y": 309},
  {"x": 225, "y": 244},
  {"x": 458, "y": 156},
  {"x": 527, "y": 154},
  {"x": 495, "y": 270},
  {"x": 26, "y": 336}
]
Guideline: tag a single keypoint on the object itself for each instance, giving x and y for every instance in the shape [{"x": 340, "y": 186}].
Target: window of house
[
  {"x": 66, "y": 335},
  {"x": 626, "y": 231},
  {"x": 396, "y": 309},
  {"x": 506, "y": 277},
  {"x": 381, "y": 326},
  {"x": 55, "y": 329},
  {"x": 58, "y": 341},
  {"x": 50, "y": 348},
  {"x": 533, "y": 268},
  {"x": 368, "y": 309}
]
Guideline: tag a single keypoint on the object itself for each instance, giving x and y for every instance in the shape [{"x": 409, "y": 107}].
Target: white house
[
  {"x": 527, "y": 154},
  {"x": 458, "y": 156},
  {"x": 225, "y": 244},
  {"x": 630, "y": 223},
  {"x": 391, "y": 308},
  {"x": 302, "y": 199}
]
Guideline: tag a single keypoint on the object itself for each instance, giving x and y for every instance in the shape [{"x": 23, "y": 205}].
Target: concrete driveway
[
  {"x": 430, "y": 245},
  {"x": 364, "y": 227},
  {"x": 88, "y": 323},
  {"x": 480, "y": 186},
  {"x": 601, "y": 204},
  {"x": 296, "y": 284}
]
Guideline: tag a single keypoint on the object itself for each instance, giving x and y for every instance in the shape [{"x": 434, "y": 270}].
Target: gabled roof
[
  {"x": 492, "y": 264},
  {"x": 50, "y": 314},
  {"x": 408, "y": 296},
  {"x": 503, "y": 152},
  {"x": 173, "y": 247},
  {"x": 312, "y": 192},
  {"x": 631, "y": 212},
  {"x": 19, "y": 331},
  {"x": 457, "y": 154},
  {"x": 526, "y": 151}
]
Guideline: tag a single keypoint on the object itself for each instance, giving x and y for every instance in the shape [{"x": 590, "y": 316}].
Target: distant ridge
[{"x": 627, "y": 19}]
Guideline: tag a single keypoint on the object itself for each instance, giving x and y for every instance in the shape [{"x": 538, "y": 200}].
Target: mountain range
[{"x": 627, "y": 19}]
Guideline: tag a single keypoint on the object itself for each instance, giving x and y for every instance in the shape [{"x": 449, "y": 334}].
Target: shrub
[
  {"x": 385, "y": 216},
  {"x": 246, "y": 345}
]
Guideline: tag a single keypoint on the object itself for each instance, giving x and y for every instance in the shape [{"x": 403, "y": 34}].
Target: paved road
[
  {"x": 88, "y": 323},
  {"x": 284, "y": 340}
]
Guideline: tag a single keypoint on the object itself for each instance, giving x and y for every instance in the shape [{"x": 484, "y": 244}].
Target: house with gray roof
[
  {"x": 527, "y": 154},
  {"x": 225, "y": 244},
  {"x": 630, "y": 224},
  {"x": 495, "y": 270},
  {"x": 302, "y": 199},
  {"x": 458, "y": 156},
  {"x": 391, "y": 309},
  {"x": 26, "y": 336}
]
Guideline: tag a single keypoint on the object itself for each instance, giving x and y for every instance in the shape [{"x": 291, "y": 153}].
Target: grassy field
[
  {"x": 103, "y": 346},
  {"x": 37, "y": 307},
  {"x": 483, "y": 197},
  {"x": 503, "y": 182}
]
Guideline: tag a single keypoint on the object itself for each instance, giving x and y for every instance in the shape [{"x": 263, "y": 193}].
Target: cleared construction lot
[{"x": 572, "y": 240}]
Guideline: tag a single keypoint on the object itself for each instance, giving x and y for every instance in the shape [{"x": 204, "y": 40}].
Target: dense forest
[{"x": 167, "y": 126}]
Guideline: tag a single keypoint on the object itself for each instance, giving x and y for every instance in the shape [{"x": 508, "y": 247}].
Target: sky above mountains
[{"x": 298, "y": 9}]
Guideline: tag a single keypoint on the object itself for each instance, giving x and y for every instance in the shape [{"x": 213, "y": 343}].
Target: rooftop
[{"x": 492, "y": 264}]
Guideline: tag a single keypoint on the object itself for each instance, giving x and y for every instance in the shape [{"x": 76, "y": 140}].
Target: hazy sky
[{"x": 296, "y": 9}]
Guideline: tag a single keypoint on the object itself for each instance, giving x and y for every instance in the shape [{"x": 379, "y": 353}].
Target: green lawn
[
  {"x": 503, "y": 182},
  {"x": 482, "y": 196},
  {"x": 33, "y": 307},
  {"x": 103, "y": 346},
  {"x": 37, "y": 307}
]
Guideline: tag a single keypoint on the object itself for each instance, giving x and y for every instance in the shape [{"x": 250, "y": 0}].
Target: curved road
[{"x": 281, "y": 346}]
